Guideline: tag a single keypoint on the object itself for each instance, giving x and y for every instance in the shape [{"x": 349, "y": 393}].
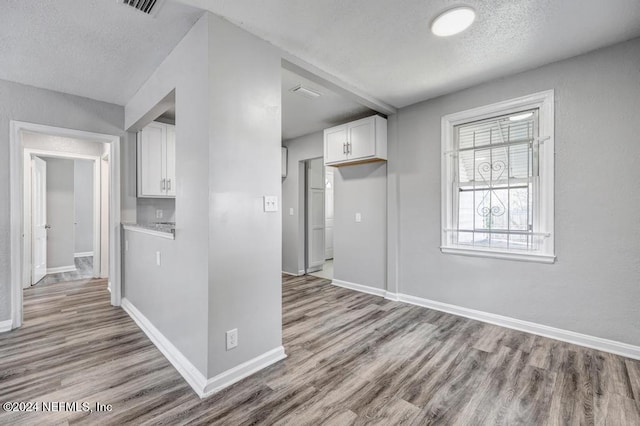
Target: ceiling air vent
[{"x": 150, "y": 7}]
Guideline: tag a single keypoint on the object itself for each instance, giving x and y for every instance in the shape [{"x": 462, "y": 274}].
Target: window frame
[{"x": 544, "y": 210}]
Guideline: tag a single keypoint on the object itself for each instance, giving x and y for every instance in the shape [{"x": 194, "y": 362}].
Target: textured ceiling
[
  {"x": 99, "y": 49},
  {"x": 385, "y": 48},
  {"x": 302, "y": 115}
]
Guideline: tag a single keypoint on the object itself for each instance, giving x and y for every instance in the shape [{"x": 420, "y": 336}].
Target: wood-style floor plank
[{"x": 353, "y": 358}]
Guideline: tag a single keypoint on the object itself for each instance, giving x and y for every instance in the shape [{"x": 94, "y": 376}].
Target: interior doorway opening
[
  {"x": 319, "y": 215},
  {"x": 66, "y": 210},
  {"x": 31, "y": 146}
]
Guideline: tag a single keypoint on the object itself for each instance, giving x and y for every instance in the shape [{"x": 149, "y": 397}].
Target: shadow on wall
[{"x": 361, "y": 171}]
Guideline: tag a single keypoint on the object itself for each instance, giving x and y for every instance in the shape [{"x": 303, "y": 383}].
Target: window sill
[{"x": 497, "y": 254}]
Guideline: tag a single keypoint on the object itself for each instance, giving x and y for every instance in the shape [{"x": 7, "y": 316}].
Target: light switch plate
[
  {"x": 358, "y": 217},
  {"x": 158, "y": 258},
  {"x": 290, "y": 211},
  {"x": 159, "y": 214},
  {"x": 270, "y": 203}
]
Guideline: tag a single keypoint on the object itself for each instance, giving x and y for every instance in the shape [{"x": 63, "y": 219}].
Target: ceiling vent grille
[{"x": 150, "y": 7}]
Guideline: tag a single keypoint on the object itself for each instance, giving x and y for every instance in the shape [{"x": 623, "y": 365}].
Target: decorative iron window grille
[{"x": 495, "y": 182}]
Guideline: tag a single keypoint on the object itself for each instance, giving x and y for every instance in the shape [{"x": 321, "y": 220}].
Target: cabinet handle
[
  {"x": 162, "y": 184},
  {"x": 168, "y": 184},
  {"x": 348, "y": 147}
]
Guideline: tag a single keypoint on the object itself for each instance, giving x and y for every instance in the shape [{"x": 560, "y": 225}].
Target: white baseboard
[
  {"x": 5, "y": 325},
  {"x": 237, "y": 373},
  {"x": 189, "y": 372},
  {"x": 59, "y": 269},
  {"x": 292, "y": 274},
  {"x": 605, "y": 345},
  {"x": 392, "y": 296},
  {"x": 83, "y": 254},
  {"x": 359, "y": 287}
]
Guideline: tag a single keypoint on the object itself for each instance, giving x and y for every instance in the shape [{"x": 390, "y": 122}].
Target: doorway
[
  {"x": 30, "y": 145},
  {"x": 63, "y": 212},
  {"x": 319, "y": 212}
]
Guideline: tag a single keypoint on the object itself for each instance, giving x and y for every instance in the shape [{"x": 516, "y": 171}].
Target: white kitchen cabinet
[
  {"x": 156, "y": 161},
  {"x": 361, "y": 141}
]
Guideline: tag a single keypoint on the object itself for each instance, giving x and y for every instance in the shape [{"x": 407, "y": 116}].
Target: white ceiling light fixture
[
  {"x": 308, "y": 93},
  {"x": 453, "y": 21}
]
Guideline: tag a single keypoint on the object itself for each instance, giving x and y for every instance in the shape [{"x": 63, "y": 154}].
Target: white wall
[
  {"x": 293, "y": 238},
  {"x": 360, "y": 249},
  {"x": 60, "y": 212},
  {"x": 83, "y": 205},
  {"x": 244, "y": 165},
  {"x": 593, "y": 287},
  {"x": 176, "y": 300},
  {"x": 26, "y": 103}
]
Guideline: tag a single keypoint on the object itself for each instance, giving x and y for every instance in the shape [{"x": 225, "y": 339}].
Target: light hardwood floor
[{"x": 353, "y": 359}]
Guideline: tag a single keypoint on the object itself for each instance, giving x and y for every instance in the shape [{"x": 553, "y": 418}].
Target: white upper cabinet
[
  {"x": 156, "y": 161},
  {"x": 360, "y": 141}
]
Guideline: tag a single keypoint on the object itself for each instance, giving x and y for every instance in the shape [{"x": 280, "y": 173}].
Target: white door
[
  {"x": 328, "y": 213},
  {"x": 315, "y": 215},
  {"x": 171, "y": 160},
  {"x": 38, "y": 219},
  {"x": 362, "y": 139},
  {"x": 335, "y": 144}
]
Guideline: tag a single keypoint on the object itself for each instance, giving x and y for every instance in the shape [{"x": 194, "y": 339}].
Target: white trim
[
  {"x": 392, "y": 296},
  {"x": 598, "y": 343},
  {"x": 16, "y": 186},
  {"x": 239, "y": 372},
  {"x": 154, "y": 232},
  {"x": 83, "y": 254},
  {"x": 293, "y": 274},
  {"x": 496, "y": 254},
  {"x": 544, "y": 102},
  {"x": 359, "y": 287},
  {"x": 59, "y": 269},
  {"x": 189, "y": 372},
  {"x": 606, "y": 345},
  {"x": 5, "y": 326}
]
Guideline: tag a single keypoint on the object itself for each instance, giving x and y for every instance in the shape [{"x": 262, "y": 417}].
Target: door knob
[{"x": 47, "y": 227}]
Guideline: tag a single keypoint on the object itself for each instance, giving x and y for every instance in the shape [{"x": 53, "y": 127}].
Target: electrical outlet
[
  {"x": 232, "y": 338},
  {"x": 159, "y": 214},
  {"x": 358, "y": 217},
  {"x": 158, "y": 258},
  {"x": 270, "y": 203}
]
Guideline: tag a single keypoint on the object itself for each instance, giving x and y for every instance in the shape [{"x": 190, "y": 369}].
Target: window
[{"x": 497, "y": 180}]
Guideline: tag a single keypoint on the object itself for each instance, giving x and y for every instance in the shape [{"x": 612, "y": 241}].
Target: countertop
[{"x": 160, "y": 229}]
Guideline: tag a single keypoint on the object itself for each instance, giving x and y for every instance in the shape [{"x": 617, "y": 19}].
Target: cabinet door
[
  {"x": 171, "y": 160},
  {"x": 362, "y": 139},
  {"x": 151, "y": 144},
  {"x": 334, "y": 144}
]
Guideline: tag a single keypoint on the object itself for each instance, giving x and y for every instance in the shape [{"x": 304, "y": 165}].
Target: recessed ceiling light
[
  {"x": 453, "y": 21},
  {"x": 301, "y": 90},
  {"x": 520, "y": 116}
]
